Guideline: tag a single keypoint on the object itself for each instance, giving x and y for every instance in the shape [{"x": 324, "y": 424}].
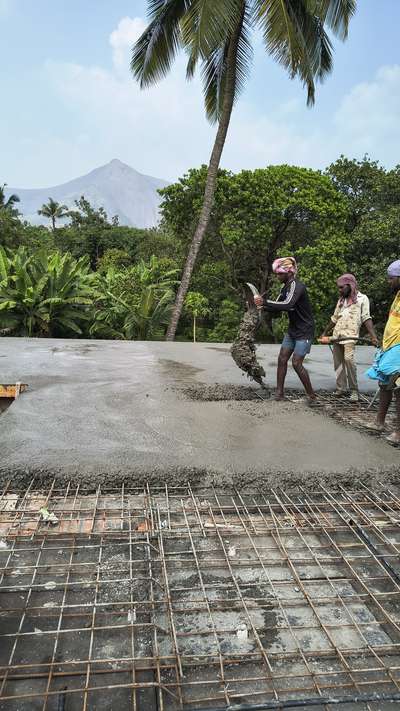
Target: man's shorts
[{"x": 299, "y": 346}]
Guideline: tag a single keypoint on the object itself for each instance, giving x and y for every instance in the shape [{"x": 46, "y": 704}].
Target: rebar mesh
[{"x": 182, "y": 599}]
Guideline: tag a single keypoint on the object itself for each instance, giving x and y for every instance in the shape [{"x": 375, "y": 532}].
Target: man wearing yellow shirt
[{"x": 386, "y": 368}]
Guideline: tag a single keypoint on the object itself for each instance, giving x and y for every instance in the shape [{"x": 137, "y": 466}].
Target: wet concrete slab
[{"x": 98, "y": 408}]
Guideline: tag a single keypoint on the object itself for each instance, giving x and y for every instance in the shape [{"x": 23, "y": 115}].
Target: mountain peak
[
  {"x": 116, "y": 186},
  {"x": 117, "y": 163},
  {"x": 117, "y": 166}
]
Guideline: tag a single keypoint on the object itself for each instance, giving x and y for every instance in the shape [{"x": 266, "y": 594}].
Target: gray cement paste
[
  {"x": 243, "y": 350},
  {"x": 107, "y": 412}
]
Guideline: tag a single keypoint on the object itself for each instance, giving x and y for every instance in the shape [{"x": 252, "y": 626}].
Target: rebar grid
[{"x": 170, "y": 598}]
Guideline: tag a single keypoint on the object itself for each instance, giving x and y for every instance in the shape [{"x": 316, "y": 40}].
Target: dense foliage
[{"x": 91, "y": 277}]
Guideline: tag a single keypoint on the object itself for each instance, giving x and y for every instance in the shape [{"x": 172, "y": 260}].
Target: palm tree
[
  {"x": 217, "y": 34},
  {"x": 54, "y": 211},
  {"x": 10, "y": 203}
]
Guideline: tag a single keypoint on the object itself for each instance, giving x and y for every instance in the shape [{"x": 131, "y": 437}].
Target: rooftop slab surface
[{"x": 98, "y": 409}]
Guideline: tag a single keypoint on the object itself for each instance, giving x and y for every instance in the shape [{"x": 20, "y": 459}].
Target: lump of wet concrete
[
  {"x": 221, "y": 392},
  {"x": 243, "y": 350}
]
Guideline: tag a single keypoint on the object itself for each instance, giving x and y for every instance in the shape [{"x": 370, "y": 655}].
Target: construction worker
[
  {"x": 386, "y": 368},
  {"x": 297, "y": 342},
  {"x": 352, "y": 311}
]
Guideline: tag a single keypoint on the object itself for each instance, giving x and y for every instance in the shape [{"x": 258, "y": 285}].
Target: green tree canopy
[{"x": 255, "y": 213}]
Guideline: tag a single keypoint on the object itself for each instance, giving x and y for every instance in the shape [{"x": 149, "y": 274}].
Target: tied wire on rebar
[{"x": 180, "y": 598}]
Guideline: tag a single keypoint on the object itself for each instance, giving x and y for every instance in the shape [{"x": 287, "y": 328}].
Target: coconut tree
[
  {"x": 10, "y": 203},
  {"x": 54, "y": 211},
  {"x": 218, "y": 36}
]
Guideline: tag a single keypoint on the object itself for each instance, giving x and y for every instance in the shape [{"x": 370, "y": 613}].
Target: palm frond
[
  {"x": 12, "y": 200},
  {"x": 295, "y": 37},
  {"x": 205, "y": 26},
  {"x": 336, "y": 14},
  {"x": 155, "y": 50},
  {"x": 215, "y": 67}
]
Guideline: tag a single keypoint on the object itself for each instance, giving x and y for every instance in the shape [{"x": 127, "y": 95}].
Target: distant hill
[{"x": 117, "y": 187}]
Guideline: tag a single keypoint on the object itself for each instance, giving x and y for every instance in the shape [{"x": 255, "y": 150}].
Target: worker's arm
[
  {"x": 294, "y": 291},
  {"x": 371, "y": 331},
  {"x": 367, "y": 322},
  {"x": 332, "y": 323},
  {"x": 328, "y": 329}
]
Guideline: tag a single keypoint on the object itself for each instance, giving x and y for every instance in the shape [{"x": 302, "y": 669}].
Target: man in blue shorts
[{"x": 297, "y": 342}]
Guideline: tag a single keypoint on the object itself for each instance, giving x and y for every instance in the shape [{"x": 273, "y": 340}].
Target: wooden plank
[{"x": 12, "y": 390}]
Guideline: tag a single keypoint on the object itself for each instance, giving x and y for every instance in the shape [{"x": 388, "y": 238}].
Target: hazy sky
[{"x": 68, "y": 103}]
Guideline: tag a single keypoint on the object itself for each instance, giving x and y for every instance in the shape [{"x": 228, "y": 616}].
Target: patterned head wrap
[
  {"x": 285, "y": 265},
  {"x": 394, "y": 269},
  {"x": 349, "y": 280}
]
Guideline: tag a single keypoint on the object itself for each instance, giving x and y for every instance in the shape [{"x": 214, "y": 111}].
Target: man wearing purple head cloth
[
  {"x": 351, "y": 313},
  {"x": 297, "y": 342},
  {"x": 386, "y": 368}
]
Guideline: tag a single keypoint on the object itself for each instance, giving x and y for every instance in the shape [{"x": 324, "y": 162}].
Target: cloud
[
  {"x": 121, "y": 40},
  {"x": 369, "y": 115},
  {"x": 365, "y": 120},
  {"x": 162, "y": 131}
]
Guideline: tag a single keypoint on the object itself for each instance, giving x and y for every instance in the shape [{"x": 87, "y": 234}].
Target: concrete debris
[
  {"x": 132, "y": 616},
  {"x": 242, "y": 633},
  {"x": 48, "y": 516},
  {"x": 50, "y": 585}
]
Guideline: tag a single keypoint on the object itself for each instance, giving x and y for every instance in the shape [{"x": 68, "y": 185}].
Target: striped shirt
[{"x": 294, "y": 299}]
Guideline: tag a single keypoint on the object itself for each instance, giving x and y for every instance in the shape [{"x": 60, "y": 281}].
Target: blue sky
[{"x": 70, "y": 105}]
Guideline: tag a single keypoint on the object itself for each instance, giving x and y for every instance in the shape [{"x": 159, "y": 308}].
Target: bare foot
[
  {"x": 313, "y": 402},
  {"x": 279, "y": 396},
  {"x": 393, "y": 438},
  {"x": 375, "y": 427}
]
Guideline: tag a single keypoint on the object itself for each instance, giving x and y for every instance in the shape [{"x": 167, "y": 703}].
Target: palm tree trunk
[
  {"x": 53, "y": 220},
  {"x": 211, "y": 180}
]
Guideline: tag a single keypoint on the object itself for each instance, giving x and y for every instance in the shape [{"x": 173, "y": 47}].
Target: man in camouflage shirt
[{"x": 352, "y": 311}]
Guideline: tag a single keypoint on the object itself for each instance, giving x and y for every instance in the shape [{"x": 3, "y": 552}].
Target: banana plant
[
  {"x": 135, "y": 303},
  {"x": 44, "y": 294}
]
